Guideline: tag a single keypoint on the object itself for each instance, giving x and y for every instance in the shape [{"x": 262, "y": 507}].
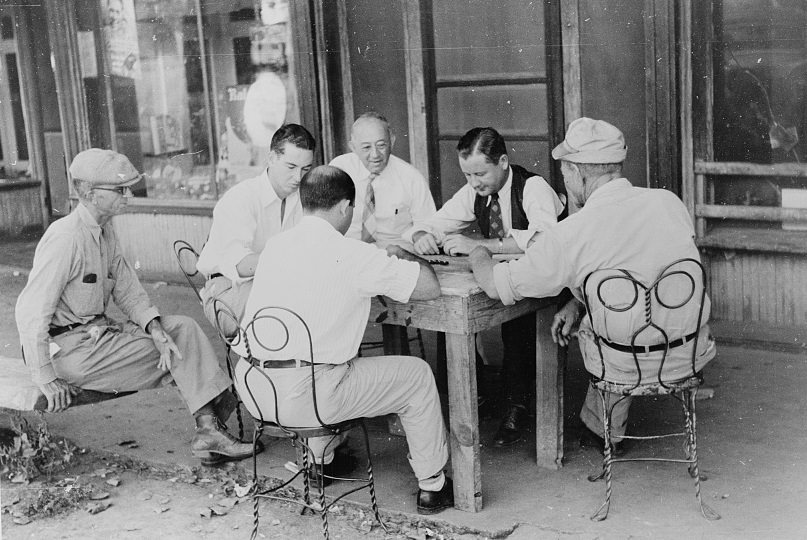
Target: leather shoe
[
  {"x": 589, "y": 439},
  {"x": 342, "y": 465},
  {"x": 214, "y": 445},
  {"x": 511, "y": 429},
  {"x": 432, "y": 502}
]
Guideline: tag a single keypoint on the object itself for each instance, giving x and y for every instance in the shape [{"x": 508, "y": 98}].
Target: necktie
[
  {"x": 496, "y": 223},
  {"x": 368, "y": 224},
  {"x": 282, "y": 211}
]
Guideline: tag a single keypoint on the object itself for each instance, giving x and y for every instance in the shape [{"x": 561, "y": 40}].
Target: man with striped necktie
[{"x": 510, "y": 205}]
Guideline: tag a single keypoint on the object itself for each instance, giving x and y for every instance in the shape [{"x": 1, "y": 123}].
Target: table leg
[
  {"x": 396, "y": 339},
  {"x": 549, "y": 370},
  {"x": 464, "y": 422}
]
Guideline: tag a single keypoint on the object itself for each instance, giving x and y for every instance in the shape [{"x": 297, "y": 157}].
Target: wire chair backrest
[
  {"x": 187, "y": 257},
  {"x": 646, "y": 320},
  {"x": 272, "y": 329}
]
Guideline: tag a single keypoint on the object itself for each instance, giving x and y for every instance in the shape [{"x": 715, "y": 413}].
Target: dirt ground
[{"x": 135, "y": 500}]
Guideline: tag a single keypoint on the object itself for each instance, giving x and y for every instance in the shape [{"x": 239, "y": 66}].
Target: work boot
[
  {"x": 224, "y": 405},
  {"x": 343, "y": 465},
  {"x": 511, "y": 429},
  {"x": 214, "y": 445},
  {"x": 432, "y": 502}
]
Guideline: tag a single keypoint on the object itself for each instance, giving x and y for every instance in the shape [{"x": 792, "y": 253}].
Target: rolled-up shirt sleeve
[
  {"x": 380, "y": 274},
  {"x": 543, "y": 271},
  {"x": 542, "y": 207},
  {"x": 53, "y": 265},
  {"x": 230, "y": 240},
  {"x": 455, "y": 216}
]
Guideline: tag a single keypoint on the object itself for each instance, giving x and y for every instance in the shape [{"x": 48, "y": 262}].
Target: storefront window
[
  {"x": 760, "y": 94},
  {"x": 190, "y": 90}
]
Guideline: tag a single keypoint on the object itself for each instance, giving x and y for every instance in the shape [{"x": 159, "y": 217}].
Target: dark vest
[{"x": 519, "y": 218}]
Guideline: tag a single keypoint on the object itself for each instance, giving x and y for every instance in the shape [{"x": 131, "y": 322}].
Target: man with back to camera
[
  {"x": 68, "y": 341},
  {"x": 248, "y": 214},
  {"x": 392, "y": 195},
  {"x": 329, "y": 280},
  {"x": 618, "y": 225},
  {"x": 511, "y": 207}
]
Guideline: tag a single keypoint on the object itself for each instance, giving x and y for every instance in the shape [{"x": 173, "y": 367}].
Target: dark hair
[
  {"x": 323, "y": 187},
  {"x": 294, "y": 134},
  {"x": 486, "y": 141}
]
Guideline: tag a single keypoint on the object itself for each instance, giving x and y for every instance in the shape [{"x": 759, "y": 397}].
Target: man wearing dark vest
[{"x": 510, "y": 205}]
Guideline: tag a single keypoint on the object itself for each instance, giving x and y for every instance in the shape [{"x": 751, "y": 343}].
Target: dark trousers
[{"x": 518, "y": 365}]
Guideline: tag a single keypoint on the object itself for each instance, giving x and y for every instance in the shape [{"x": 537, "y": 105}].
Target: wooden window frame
[{"x": 696, "y": 85}]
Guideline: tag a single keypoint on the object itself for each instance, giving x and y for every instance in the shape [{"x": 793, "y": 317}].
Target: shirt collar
[
  {"x": 265, "y": 190},
  {"x": 602, "y": 193},
  {"x": 89, "y": 221},
  {"x": 504, "y": 193}
]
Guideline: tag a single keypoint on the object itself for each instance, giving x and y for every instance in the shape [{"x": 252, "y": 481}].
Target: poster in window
[{"x": 120, "y": 37}]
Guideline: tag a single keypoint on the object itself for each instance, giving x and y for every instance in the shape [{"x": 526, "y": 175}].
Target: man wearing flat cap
[
  {"x": 618, "y": 225},
  {"x": 70, "y": 344}
]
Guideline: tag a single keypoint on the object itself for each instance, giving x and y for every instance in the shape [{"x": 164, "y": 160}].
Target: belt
[
  {"x": 58, "y": 330},
  {"x": 650, "y": 348},
  {"x": 277, "y": 364},
  {"x": 214, "y": 276}
]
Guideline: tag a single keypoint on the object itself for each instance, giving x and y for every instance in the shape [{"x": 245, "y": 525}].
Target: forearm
[
  {"x": 482, "y": 266},
  {"x": 246, "y": 266}
]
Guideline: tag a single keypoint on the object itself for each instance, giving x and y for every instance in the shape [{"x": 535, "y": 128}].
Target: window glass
[
  {"x": 190, "y": 90},
  {"x": 760, "y": 93}
]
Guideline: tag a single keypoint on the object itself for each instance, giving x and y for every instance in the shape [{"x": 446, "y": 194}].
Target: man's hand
[
  {"x": 425, "y": 243},
  {"x": 482, "y": 264},
  {"x": 459, "y": 244},
  {"x": 59, "y": 394},
  {"x": 165, "y": 345},
  {"x": 565, "y": 319}
]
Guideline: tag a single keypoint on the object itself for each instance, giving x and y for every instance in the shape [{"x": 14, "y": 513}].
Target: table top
[{"x": 455, "y": 275}]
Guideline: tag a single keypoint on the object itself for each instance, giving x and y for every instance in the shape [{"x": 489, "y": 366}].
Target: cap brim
[{"x": 563, "y": 149}]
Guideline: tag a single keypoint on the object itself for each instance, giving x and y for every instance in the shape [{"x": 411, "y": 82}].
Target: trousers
[
  {"x": 110, "y": 356},
  {"x": 362, "y": 387},
  {"x": 234, "y": 296}
]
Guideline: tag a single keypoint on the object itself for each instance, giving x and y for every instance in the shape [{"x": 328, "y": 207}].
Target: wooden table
[{"x": 461, "y": 311}]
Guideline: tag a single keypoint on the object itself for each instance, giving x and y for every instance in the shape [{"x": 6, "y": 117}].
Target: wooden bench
[{"x": 19, "y": 393}]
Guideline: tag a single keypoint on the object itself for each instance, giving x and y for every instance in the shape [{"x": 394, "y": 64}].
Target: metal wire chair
[
  {"x": 614, "y": 293},
  {"x": 187, "y": 257},
  {"x": 299, "y": 435}
]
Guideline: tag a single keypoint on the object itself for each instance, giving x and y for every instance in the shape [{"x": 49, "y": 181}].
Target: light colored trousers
[
  {"x": 234, "y": 296},
  {"x": 362, "y": 387},
  {"x": 109, "y": 356}
]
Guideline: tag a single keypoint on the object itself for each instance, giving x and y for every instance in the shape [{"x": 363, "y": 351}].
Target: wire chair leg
[
  {"x": 706, "y": 510},
  {"x": 602, "y": 511},
  {"x": 256, "y": 433},
  {"x": 371, "y": 478}
]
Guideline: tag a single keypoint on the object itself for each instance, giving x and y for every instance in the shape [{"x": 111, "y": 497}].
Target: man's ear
[
  {"x": 391, "y": 140},
  {"x": 504, "y": 161},
  {"x": 344, "y": 204},
  {"x": 352, "y": 146}
]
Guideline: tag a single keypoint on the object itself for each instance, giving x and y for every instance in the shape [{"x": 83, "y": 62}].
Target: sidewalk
[{"x": 751, "y": 443}]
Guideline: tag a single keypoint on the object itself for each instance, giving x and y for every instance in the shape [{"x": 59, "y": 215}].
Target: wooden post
[
  {"x": 416, "y": 87},
  {"x": 572, "y": 79}
]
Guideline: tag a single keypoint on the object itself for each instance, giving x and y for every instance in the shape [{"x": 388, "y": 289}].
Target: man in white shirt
[
  {"x": 618, "y": 226},
  {"x": 511, "y": 206},
  {"x": 329, "y": 280},
  {"x": 391, "y": 195},
  {"x": 248, "y": 215}
]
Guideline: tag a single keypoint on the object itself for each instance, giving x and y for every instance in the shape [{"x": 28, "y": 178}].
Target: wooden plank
[
  {"x": 490, "y": 79},
  {"x": 186, "y": 207},
  {"x": 769, "y": 337},
  {"x": 740, "y": 168},
  {"x": 326, "y": 129},
  {"x": 572, "y": 79},
  {"x": 464, "y": 422},
  {"x": 701, "y": 19},
  {"x": 549, "y": 374},
  {"x": 346, "y": 72},
  {"x": 685, "y": 112},
  {"x": 766, "y": 213},
  {"x": 747, "y": 239},
  {"x": 62, "y": 34},
  {"x": 416, "y": 87},
  {"x": 305, "y": 67}
]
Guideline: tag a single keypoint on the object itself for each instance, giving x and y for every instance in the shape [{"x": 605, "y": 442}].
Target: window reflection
[
  {"x": 760, "y": 107},
  {"x": 190, "y": 90}
]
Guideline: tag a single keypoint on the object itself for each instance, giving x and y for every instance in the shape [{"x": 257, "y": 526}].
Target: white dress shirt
[
  {"x": 402, "y": 197},
  {"x": 328, "y": 280},
  {"x": 621, "y": 226},
  {"x": 541, "y": 205},
  {"x": 243, "y": 220}
]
